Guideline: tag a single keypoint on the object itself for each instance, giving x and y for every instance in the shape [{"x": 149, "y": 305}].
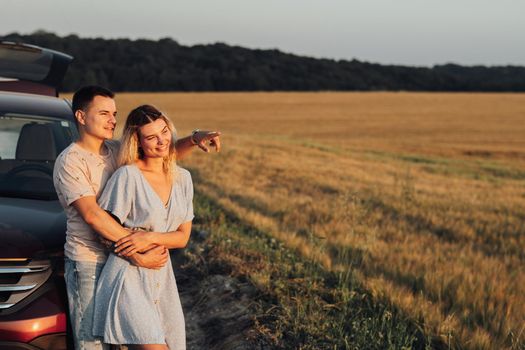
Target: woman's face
[{"x": 155, "y": 139}]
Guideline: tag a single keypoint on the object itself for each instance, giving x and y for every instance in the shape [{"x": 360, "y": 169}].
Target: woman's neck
[{"x": 151, "y": 164}]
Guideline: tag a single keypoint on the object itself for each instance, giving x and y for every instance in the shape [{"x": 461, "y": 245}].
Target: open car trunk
[{"x": 31, "y": 69}]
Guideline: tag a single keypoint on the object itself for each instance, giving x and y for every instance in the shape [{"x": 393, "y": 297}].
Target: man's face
[{"x": 99, "y": 119}]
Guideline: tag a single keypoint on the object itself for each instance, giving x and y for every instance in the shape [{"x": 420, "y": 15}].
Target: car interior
[{"x": 29, "y": 174}]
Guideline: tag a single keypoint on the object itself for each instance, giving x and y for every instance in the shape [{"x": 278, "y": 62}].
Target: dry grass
[{"x": 422, "y": 195}]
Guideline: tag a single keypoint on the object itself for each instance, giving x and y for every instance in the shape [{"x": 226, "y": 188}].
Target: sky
[{"x": 406, "y": 32}]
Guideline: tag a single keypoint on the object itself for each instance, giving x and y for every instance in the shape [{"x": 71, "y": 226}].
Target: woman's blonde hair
[{"x": 130, "y": 150}]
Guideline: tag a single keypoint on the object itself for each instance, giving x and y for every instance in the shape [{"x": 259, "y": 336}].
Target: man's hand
[
  {"x": 203, "y": 139},
  {"x": 154, "y": 258},
  {"x": 136, "y": 242}
]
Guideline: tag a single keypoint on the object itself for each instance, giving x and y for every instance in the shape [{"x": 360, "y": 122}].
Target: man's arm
[
  {"x": 202, "y": 139},
  {"x": 98, "y": 219},
  {"x": 109, "y": 228}
]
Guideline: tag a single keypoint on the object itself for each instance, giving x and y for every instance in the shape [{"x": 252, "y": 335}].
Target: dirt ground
[{"x": 217, "y": 307}]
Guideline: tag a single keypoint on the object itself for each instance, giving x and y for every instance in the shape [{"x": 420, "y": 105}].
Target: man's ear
[{"x": 80, "y": 115}]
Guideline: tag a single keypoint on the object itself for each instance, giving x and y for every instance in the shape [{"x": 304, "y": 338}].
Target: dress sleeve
[
  {"x": 71, "y": 178},
  {"x": 189, "y": 198},
  {"x": 119, "y": 194}
]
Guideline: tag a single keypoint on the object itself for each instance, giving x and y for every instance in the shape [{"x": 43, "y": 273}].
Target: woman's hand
[
  {"x": 137, "y": 242},
  {"x": 154, "y": 258}
]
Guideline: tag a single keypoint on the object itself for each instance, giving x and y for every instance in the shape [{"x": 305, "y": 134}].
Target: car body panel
[
  {"x": 44, "y": 315},
  {"x": 30, "y": 228},
  {"x": 22, "y": 103}
]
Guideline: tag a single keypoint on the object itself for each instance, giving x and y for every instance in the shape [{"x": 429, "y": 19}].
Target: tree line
[{"x": 165, "y": 65}]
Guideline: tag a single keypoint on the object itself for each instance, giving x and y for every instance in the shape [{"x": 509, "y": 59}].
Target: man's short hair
[{"x": 83, "y": 97}]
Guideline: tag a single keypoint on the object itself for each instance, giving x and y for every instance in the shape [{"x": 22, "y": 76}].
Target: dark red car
[{"x": 35, "y": 126}]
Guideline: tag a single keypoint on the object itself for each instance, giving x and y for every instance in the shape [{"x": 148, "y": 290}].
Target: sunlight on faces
[
  {"x": 99, "y": 120},
  {"x": 155, "y": 139}
]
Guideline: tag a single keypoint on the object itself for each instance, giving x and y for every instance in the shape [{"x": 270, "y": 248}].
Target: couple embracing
[{"x": 132, "y": 195}]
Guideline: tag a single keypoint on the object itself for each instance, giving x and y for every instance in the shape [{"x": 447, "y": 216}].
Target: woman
[{"x": 137, "y": 306}]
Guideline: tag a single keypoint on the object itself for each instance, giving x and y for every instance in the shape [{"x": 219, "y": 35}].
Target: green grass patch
[
  {"x": 323, "y": 147},
  {"x": 410, "y": 158},
  {"x": 471, "y": 169},
  {"x": 302, "y": 305}
]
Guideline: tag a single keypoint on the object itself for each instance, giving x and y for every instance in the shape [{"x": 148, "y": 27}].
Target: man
[{"x": 80, "y": 174}]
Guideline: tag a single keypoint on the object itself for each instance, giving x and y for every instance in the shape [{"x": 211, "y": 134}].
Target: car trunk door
[{"x": 31, "y": 69}]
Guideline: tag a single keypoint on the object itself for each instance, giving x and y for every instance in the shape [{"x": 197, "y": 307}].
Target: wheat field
[{"x": 422, "y": 195}]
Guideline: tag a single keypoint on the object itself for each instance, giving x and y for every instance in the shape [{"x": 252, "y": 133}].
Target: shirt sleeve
[
  {"x": 189, "y": 198},
  {"x": 119, "y": 194},
  {"x": 72, "y": 180}
]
